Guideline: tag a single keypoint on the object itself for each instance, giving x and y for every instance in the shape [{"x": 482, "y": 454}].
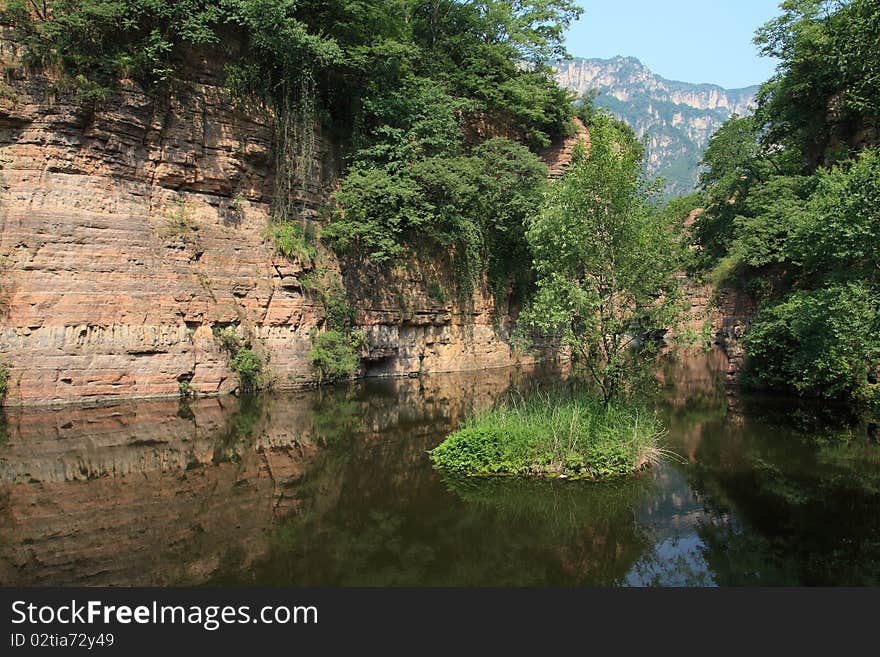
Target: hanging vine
[{"x": 295, "y": 145}]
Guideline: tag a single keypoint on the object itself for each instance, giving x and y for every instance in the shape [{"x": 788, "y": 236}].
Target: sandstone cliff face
[{"x": 129, "y": 234}]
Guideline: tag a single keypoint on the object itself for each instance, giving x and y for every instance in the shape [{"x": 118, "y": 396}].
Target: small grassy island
[{"x": 570, "y": 435}]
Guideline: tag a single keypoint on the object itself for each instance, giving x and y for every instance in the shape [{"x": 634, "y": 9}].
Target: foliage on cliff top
[
  {"x": 358, "y": 55},
  {"x": 412, "y": 88},
  {"x": 793, "y": 203}
]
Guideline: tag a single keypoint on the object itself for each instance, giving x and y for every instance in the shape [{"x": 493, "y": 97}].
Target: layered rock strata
[{"x": 132, "y": 232}]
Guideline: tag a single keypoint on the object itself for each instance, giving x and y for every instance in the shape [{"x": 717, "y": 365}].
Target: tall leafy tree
[
  {"x": 605, "y": 261},
  {"x": 824, "y": 99}
]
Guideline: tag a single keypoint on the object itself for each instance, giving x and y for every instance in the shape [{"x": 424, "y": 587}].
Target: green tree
[
  {"x": 825, "y": 97},
  {"x": 511, "y": 182},
  {"x": 793, "y": 202},
  {"x": 823, "y": 342},
  {"x": 731, "y": 166},
  {"x": 838, "y": 237},
  {"x": 605, "y": 261}
]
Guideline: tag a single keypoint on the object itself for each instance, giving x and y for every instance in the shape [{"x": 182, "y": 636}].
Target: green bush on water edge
[{"x": 569, "y": 434}]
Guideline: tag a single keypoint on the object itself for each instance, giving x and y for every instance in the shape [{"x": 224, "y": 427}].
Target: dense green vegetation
[
  {"x": 4, "y": 380},
  {"x": 242, "y": 359},
  {"x": 605, "y": 261},
  {"x": 475, "y": 204},
  {"x": 793, "y": 204},
  {"x": 429, "y": 98},
  {"x": 335, "y": 351},
  {"x": 575, "y": 435},
  {"x": 334, "y": 354},
  {"x": 248, "y": 366}
]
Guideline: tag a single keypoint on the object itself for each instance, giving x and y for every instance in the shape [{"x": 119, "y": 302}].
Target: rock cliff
[{"x": 130, "y": 233}]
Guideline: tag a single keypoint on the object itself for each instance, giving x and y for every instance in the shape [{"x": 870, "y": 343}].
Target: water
[{"x": 333, "y": 487}]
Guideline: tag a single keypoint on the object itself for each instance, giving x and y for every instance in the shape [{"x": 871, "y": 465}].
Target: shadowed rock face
[
  {"x": 152, "y": 492},
  {"x": 130, "y": 232}
]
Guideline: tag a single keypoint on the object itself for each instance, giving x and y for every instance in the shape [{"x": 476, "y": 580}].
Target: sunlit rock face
[
  {"x": 130, "y": 233},
  {"x": 677, "y": 117}
]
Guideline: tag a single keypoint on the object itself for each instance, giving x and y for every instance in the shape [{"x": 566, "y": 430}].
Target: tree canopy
[{"x": 792, "y": 202}]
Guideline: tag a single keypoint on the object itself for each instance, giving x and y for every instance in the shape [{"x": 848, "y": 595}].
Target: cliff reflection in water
[
  {"x": 334, "y": 487},
  {"x": 162, "y": 493}
]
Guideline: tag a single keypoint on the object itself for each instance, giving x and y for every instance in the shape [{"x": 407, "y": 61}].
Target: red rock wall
[{"x": 128, "y": 233}]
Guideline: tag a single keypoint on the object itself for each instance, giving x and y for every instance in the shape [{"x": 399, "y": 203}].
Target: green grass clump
[
  {"x": 290, "y": 241},
  {"x": 564, "y": 434}
]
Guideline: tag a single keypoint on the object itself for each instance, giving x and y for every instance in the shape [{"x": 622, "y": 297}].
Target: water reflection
[
  {"x": 333, "y": 487},
  {"x": 466, "y": 532}
]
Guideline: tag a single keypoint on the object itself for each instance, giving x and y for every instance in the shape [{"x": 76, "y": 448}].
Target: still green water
[{"x": 333, "y": 487}]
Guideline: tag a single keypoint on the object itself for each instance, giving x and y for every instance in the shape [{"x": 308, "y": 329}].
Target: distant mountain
[{"x": 678, "y": 117}]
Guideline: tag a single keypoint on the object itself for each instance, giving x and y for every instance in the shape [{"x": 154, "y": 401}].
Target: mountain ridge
[
  {"x": 678, "y": 117},
  {"x": 684, "y": 83}
]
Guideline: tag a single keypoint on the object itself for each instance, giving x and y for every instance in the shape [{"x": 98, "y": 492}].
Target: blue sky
[{"x": 688, "y": 40}]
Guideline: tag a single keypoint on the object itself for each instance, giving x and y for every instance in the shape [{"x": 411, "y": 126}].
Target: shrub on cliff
[
  {"x": 4, "y": 381},
  {"x": 334, "y": 354},
  {"x": 248, "y": 366},
  {"x": 289, "y": 241},
  {"x": 97, "y": 42},
  {"x": 229, "y": 338}
]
